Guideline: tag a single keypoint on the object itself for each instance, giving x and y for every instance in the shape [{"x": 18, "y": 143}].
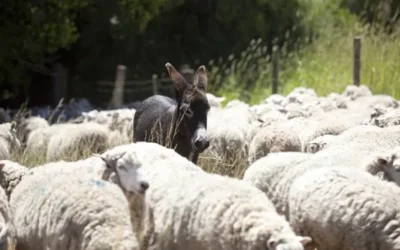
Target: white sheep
[
  {"x": 120, "y": 165},
  {"x": 384, "y": 117},
  {"x": 10, "y": 175},
  {"x": 386, "y": 162},
  {"x": 318, "y": 143},
  {"x": 367, "y": 137},
  {"x": 201, "y": 211},
  {"x": 215, "y": 101},
  {"x": 227, "y": 129},
  {"x": 74, "y": 143},
  {"x": 345, "y": 209},
  {"x": 354, "y": 92},
  {"x": 269, "y": 174},
  {"x": 277, "y": 137},
  {"x": 319, "y": 125},
  {"x": 66, "y": 211},
  {"x": 9, "y": 142},
  {"x": 5, "y": 222},
  {"x": 275, "y": 99},
  {"x": 38, "y": 139},
  {"x": 373, "y": 101},
  {"x": 26, "y": 126},
  {"x": 353, "y": 150}
]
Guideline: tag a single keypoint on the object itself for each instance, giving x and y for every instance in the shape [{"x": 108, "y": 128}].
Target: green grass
[{"x": 325, "y": 64}]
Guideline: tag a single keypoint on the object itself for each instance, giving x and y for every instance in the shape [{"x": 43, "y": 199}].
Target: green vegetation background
[{"x": 233, "y": 38}]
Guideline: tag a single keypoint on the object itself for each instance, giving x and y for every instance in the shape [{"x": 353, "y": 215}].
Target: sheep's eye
[{"x": 122, "y": 167}]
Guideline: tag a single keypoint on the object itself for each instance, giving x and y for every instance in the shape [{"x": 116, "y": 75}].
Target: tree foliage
[
  {"x": 91, "y": 37},
  {"x": 32, "y": 32},
  {"x": 37, "y": 33},
  {"x": 384, "y": 12}
]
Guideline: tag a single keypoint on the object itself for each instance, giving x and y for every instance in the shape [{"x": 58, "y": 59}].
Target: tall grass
[
  {"x": 327, "y": 64},
  {"x": 324, "y": 63}
]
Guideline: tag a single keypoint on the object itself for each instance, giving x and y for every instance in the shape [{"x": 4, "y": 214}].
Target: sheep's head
[
  {"x": 313, "y": 147},
  {"x": 318, "y": 143},
  {"x": 299, "y": 242},
  {"x": 389, "y": 163},
  {"x": 127, "y": 167},
  {"x": 8, "y": 133}
]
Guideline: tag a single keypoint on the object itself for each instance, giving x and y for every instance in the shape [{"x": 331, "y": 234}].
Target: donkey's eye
[{"x": 189, "y": 112}]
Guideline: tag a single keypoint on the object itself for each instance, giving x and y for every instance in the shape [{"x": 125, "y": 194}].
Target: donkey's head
[{"x": 192, "y": 107}]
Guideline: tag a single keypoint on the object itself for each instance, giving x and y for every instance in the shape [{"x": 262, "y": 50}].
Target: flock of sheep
[{"x": 294, "y": 172}]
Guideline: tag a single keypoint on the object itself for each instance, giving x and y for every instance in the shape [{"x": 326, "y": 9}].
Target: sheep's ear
[
  {"x": 384, "y": 159},
  {"x": 200, "y": 78},
  {"x": 2, "y": 166},
  {"x": 13, "y": 126},
  {"x": 304, "y": 240},
  {"x": 260, "y": 120},
  {"x": 105, "y": 159},
  {"x": 178, "y": 80},
  {"x": 111, "y": 161}
]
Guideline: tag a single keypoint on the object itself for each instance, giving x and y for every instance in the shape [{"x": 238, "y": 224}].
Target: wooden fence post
[
  {"x": 155, "y": 84},
  {"x": 118, "y": 93},
  {"x": 275, "y": 69},
  {"x": 357, "y": 61}
]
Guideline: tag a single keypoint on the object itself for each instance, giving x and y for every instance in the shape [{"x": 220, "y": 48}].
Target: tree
[{"x": 36, "y": 33}]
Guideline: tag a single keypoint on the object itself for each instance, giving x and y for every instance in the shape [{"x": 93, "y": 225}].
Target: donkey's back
[{"x": 152, "y": 118}]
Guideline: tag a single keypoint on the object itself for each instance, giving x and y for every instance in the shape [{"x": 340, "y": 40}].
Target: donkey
[{"x": 181, "y": 123}]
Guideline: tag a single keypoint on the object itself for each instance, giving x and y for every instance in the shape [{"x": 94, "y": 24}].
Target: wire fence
[{"x": 134, "y": 90}]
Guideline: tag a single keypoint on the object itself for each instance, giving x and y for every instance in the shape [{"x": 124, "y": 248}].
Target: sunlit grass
[{"x": 324, "y": 64}]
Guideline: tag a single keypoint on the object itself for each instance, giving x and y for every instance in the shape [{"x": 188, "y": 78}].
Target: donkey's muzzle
[{"x": 201, "y": 141}]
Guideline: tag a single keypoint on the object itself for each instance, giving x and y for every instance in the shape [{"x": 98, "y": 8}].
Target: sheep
[
  {"x": 269, "y": 174},
  {"x": 9, "y": 142},
  {"x": 26, "y": 126},
  {"x": 318, "y": 126},
  {"x": 386, "y": 162},
  {"x": 354, "y": 92},
  {"x": 120, "y": 165},
  {"x": 74, "y": 143},
  {"x": 352, "y": 149},
  {"x": 227, "y": 133},
  {"x": 275, "y": 99},
  {"x": 66, "y": 211},
  {"x": 318, "y": 143},
  {"x": 10, "y": 175},
  {"x": 38, "y": 139},
  {"x": 236, "y": 103},
  {"x": 271, "y": 116},
  {"x": 274, "y": 138},
  {"x": 117, "y": 120},
  {"x": 215, "y": 101},
  {"x": 343, "y": 209},
  {"x": 201, "y": 211},
  {"x": 5, "y": 222},
  {"x": 373, "y": 101},
  {"x": 339, "y": 100},
  {"x": 367, "y": 137},
  {"x": 300, "y": 95},
  {"x": 384, "y": 117}
]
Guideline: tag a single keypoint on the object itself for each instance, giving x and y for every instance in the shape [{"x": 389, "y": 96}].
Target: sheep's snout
[{"x": 133, "y": 180}]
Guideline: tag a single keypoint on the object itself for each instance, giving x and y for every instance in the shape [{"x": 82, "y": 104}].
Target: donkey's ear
[
  {"x": 200, "y": 78},
  {"x": 179, "y": 81}
]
